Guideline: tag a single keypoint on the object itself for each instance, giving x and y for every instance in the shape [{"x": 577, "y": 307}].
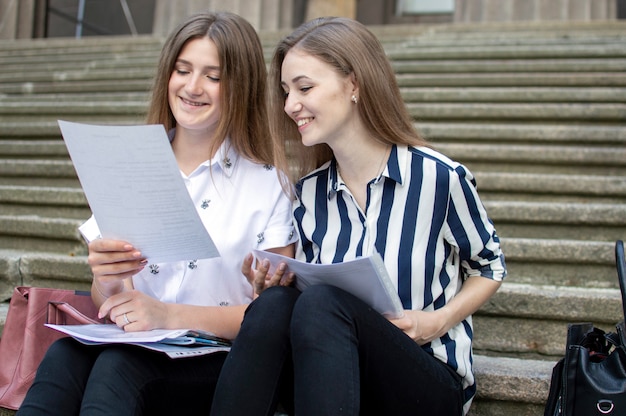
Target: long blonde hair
[
  {"x": 350, "y": 48},
  {"x": 243, "y": 81}
]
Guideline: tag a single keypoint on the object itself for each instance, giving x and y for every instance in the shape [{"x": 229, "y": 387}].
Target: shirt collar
[
  {"x": 394, "y": 169},
  {"x": 226, "y": 157}
]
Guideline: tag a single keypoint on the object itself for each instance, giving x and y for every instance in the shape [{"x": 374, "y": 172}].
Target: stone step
[
  {"x": 95, "y": 86},
  {"x": 140, "y": 81},
  {"x": 493, "y": 186},
  {"x": 520, "y": 320},
  {"x": 516, "y": 112},
  {"x": 410, "y": 95},
  {"x": 550, "y": 65},
  {"x": 22, "y": 134},
  {"x": 43, "y": 202},
  {"x": 538, "y": 95},
  {"x": 18, "y": 111},
  {"x": 510, "y": 386},
  {"x": 519, "y": 39},
  {"x": 569, "y": 217},
  {"x": 530, "y": 320},
  {"x": 77, "y": 75},
  {"x": 556, "y": 159},
  {"x": 77, "y": 52},
  {"x": 42, "y": 234},
  {"x": 23, "y": 158},
  {"x": 37, "y": 168},
  {"x": 405, "y": 52},
  {"x": 126, "y": 111},
  {"x": 523, "y": 133},
  {"x": 560, "y": 262},
  {"x": 519, "y": 79},
  {"x": 403, "y": 62},
  {"x": 44, "y": 269},
  {"x": 113, "y": 96},
  {"x": 98, "y": 60},
  {"x": 539, "y": 187},
  {"x": 510, "y": 31}
]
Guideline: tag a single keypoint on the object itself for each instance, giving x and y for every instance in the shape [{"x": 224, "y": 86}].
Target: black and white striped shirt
[{"x": 424, "y": 216}]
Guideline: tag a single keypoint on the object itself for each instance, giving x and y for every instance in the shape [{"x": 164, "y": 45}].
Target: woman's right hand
[{"x": 113, "y": 260}]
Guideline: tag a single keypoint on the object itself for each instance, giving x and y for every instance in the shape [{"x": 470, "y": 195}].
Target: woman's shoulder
[
  {"x": 317, "y": 173},
  {"x": 429, "y": 155},
  {"x": 433, "y": 155}
]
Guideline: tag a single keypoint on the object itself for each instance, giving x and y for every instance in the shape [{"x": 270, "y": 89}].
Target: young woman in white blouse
[
  {"x": 209, "y": 93},
  {"x": 368, "y": 182}
]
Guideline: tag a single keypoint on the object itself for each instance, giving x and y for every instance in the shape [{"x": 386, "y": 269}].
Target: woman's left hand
[
  {"x": 423, "y": 327},
  {"x": 135, "y": 311},
  {"x": 260, "y": 277}
]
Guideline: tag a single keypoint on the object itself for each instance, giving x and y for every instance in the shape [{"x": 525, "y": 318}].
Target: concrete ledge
[
  {"x": 510, "y": 379},
  {"x": 133, "y": 85},
  {"x": 513, "y": 94},
  {"x": 534, "y": 51},
  {"x": 555, "y": 184},
  {"x": 42, "y": 269},
  {"x": 524, "y": 133},
  {"x": 552, "y": 154},
  {"x": 519, "y": 111},
  {"x": 556, "y": 213},
  {"x": 42, "y": 195},
  {"x": 561, "y": 262},
  {"x": 40, "y": 110},
  {"x": 39, "y": 149},
  {"x": 521, "y": 79},
  {"x": 31, "y": 167},
  {"x": 517, "y": 64},
  {"x": 56, "y": 228},
  {"x": 531, "y": 320}
]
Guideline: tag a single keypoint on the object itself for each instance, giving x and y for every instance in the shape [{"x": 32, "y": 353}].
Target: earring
[{"x": 354, "y": 99}]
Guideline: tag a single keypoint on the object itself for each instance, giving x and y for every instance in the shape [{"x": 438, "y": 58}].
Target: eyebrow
[
  {"x": 295, "y": 79},
  {"x": 208, "y": 67}
]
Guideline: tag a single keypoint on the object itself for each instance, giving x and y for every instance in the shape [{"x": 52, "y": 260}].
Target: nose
[
  {"x": 193, "y": 85},
  {"x": 292, "y": 105}
]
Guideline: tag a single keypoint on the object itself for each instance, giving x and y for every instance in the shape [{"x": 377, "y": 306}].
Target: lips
[
  {"x": 192, "y": 103},
  {"x": 304, "y": 121}
]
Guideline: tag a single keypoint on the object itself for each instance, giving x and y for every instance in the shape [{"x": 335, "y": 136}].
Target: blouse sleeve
[
  {"x": 471, "y": 230},
  {"x": 280, "y": 231}
]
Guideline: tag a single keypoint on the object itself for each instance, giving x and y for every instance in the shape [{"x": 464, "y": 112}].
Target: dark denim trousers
[
  {"x": 118, "y": 380},
  {"x": 340, "y": 356}
]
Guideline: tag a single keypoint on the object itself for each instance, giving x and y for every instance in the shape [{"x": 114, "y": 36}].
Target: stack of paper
[
  {"x": 364, "y": 277},
  {"x": 177, "y": 343}
]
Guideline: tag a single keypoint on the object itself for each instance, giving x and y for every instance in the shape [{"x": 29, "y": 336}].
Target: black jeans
[
  {"x": 118, "y": 380},
  {"x": 347, "y": 359}
]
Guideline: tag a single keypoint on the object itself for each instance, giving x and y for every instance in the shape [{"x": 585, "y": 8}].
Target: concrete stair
[{"x": 536, "y": 111}]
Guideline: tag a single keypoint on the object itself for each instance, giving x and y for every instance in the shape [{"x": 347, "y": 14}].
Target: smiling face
[
  {"x": 317, "y": 98},
  {"x": 194, "y": 87}
]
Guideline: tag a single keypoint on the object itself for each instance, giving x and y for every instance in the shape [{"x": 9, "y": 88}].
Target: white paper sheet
[
  {"x": 98, "y": 334},
  {"x": 135, "y": 190},
  {"x": 365, "y": 277}
]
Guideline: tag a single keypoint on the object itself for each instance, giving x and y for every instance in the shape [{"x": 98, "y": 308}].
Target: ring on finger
[{"x": 126, "y": 318}]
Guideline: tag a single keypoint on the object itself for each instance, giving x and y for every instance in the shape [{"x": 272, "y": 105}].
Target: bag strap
[
  {"x": 54, "y": 309},
  {"x": 553, "y": 404},
  {"x": 621, "y": 271}
]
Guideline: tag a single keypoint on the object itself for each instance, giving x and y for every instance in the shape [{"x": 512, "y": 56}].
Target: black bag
[{"x": 591, "y": 378}]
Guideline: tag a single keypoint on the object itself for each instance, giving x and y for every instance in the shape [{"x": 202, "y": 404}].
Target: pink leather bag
[{"x": 25, "y": 339}]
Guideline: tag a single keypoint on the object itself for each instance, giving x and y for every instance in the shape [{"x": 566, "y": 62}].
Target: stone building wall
[{"x": 21, "y": 19}]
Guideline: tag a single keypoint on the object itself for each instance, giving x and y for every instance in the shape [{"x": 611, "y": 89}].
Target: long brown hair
[
  {"x": 350, "y": 48},
  {"x": 243, "y": 79}
]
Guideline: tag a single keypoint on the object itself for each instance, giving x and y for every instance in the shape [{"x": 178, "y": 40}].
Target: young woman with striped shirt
[{"x": 369, "y": 182}]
